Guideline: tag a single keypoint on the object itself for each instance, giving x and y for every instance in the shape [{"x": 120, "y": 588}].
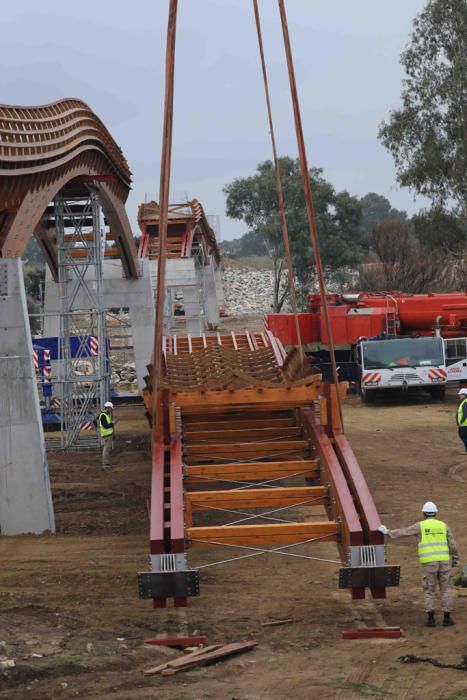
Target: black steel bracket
[
  {"x": 369, "y": 576},
  {"x": 169, "y": 584}
]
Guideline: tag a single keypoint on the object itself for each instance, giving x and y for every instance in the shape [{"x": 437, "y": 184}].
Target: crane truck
[{"x": 386, "y": 340}]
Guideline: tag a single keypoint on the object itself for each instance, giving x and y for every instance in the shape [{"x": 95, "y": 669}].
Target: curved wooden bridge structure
[
  {"x": 188, "y": 232},
  {"x": 61, "y": 147},
  {"x": 254, "y": 459}
]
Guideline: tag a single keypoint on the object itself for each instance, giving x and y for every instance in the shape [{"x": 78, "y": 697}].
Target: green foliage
[
  {"x": 34, "y": 276},
  {"x": 250, "y": 243},
  {"x": 438, "y": 230},
  {"x": 376, "y": 208},
  {"x": 427, "y": 136},
  {"x": 339, "y": 217},
  {"x": 33, "y": 253},
  {"x": 400, "y": 264}
]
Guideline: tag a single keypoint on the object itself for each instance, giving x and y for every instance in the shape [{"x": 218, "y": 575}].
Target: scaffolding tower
[{"x": 83, "y": 366}]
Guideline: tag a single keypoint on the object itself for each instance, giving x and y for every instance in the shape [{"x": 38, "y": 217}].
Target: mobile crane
[{"x": 386, "y": 340}]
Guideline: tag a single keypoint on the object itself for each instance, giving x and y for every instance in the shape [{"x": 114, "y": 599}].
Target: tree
[
  {"x": 250, "y": 243},
  {"x": 438, "y": 230},
  {"x": 254, "y": 200},
  {"x": 398, "y": 264},
  {"x": 375, "y": 208},
  {"x": 427, "y": 136},
  {"x": 33, "y": 253}
]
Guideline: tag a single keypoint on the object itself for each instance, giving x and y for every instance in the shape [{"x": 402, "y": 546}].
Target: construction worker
[
  {"x": 436, "y": 546},
  {"x": 106, "y": 427},
  {"x": 461, "y": 416}
]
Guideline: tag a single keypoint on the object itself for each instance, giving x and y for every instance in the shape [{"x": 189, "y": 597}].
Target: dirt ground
[{"x": 72, "y": 621}]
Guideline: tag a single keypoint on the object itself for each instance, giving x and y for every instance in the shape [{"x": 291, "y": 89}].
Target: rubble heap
[{"x": 248, "y": 291}]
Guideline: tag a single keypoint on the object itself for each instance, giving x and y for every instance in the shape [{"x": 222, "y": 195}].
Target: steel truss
[{"x": 83, "y": 371}]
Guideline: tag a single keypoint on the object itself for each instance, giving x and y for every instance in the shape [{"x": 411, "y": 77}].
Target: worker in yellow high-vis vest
[
  {"x": 106, "y": 428},
  {"x": 437, "y": 552},
  {"x": 461, "y": 416}
]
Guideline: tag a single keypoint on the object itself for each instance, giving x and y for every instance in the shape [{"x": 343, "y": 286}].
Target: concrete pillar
[
  {"x": 142, "y": 319},
  {"x": 218, "y": 277},
  {"x": 211, "y": 302},
  {"x": 25, "y": 496}
]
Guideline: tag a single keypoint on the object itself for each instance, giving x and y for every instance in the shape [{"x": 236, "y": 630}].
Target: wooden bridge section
[
  {"x": 252, "y": 460},
  {"x": 60, "y": 148}
]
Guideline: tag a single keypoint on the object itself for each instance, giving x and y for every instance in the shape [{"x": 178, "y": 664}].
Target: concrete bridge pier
[{"x": 25, "y": 495}]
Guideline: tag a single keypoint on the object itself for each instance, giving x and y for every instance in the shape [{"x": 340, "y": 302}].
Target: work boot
[
  {"x": 430, "y": 619},
  {"x": 447, "y": 621}
]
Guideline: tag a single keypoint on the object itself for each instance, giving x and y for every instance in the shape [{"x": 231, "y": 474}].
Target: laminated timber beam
[
  {"x": 194, "y": 426},
  {"x": 212, "y": 451},
  {"x": 284, "y": 533},
  {"x": 235, "y": 435},
  {"x": 280, "y": 398},
  {"x": 256, "y": 498},
  {"x": 252, "y": 471}
]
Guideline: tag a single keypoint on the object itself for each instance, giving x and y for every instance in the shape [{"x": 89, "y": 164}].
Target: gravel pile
[
  {"x": 123, "y": 377},
  {"x": 248, "y": 291}
]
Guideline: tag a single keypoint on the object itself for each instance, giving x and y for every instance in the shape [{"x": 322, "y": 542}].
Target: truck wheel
[
  {"x": 437, "y": 393},
  {"x": 367, "y": 396}
]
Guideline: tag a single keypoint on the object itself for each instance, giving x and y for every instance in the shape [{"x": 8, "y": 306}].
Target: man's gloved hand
[
  {"x": 383, "y": 529},
  {"x": 455, "y": 560}
]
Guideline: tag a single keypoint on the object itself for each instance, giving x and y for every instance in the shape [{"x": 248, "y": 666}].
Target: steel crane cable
[
  {"x": 276, "y": 550},
  {"x": 166, "y": 159},
  {"x": 308, "y": 195},
  {"x": 280, "y": 196}
]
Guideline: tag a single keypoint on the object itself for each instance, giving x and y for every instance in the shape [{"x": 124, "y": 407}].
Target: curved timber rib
[{"x": 59, "y": 147}]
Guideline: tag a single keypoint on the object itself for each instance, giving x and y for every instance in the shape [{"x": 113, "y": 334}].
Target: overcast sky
[{"x": 111, "y": 54}]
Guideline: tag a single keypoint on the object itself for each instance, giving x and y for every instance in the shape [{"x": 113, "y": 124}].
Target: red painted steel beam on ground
[{"x": 373, "y": 633}]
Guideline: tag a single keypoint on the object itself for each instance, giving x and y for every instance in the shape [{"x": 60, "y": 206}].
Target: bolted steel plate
[
  {"x": 369, "y": 576},
  {"x": 3, "y": 279},
  {"x": 169, "y": 584}
]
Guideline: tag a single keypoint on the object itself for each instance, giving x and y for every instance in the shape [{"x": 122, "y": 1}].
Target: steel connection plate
[
  {"x": 169, "y": 584},
  {"x": 369, "y": 576}
]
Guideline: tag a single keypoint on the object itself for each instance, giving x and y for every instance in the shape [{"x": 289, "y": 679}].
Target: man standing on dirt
[
  {"x": 106, "y": 428},
  {"x": 436, "y": 546},
  {"x": 461, "y": 416}
]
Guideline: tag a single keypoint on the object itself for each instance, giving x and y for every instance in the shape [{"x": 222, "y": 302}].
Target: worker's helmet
[
  {"x": 429, "y": 508},
  {"x": 462, "y": 392},
  {"x": 108, "y": 404}
]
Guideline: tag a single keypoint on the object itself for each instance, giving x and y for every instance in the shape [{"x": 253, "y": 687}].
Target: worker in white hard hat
[
  {"x": 106, "y": 427},
  {"x": 437, "y": 551},
  {"x": 461, "y": 416}
]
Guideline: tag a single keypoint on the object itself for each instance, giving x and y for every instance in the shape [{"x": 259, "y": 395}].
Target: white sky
[{"x": 111, "y": 54}]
